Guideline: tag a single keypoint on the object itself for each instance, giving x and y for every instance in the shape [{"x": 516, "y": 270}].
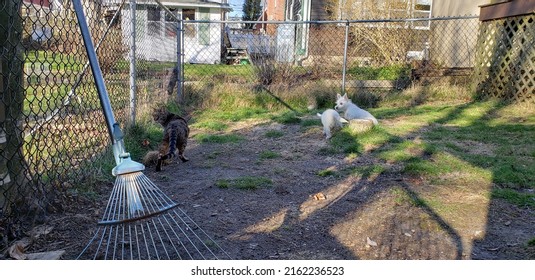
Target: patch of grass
[
  {"x": 232, "y": 114},
  {"x": 244, "y": 183},
  {"x": 268, "y": 155},
  {"x": 311, "y": 122},
  {"x": 287, "y": 117},
  {"x": 405, "y": 151},
  {"x": 514, "y": 197},
  {"x": 348, "y": 142},
  {"x": 219, "y": 138},
  {"x": 367, "y": 171},
  {"x": 330, "y": 150},
  {"x": 326, "y": 172},
  {"x": 441, "y": 163},
  {"x": 194, "y": 72},
  {"x": 274, "y": 133},
  {"x": 392, "y": 72},
  {"x": 141, "y": 138},
  {"x": 345, "y": 142},
  {"x": 212, "y": 125},
  {"x": 401, "y": 197},
  {"x": 531, "y": 242}
]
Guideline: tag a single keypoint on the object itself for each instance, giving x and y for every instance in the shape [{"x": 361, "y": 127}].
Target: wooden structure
[{"x": 505, "y": 59}]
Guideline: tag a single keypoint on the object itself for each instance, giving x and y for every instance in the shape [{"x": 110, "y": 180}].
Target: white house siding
[
  {"x": 454, "y": 42},
  {"x": 153, "y": 44},
  {"x": 196, "y": 52}
]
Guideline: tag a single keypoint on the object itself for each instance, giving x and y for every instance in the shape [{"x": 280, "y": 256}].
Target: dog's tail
[{"x": 342, "y": 120}]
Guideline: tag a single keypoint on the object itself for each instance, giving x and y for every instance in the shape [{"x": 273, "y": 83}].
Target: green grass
[
  {"x": 287, "y": 117},
  {"x": 274, "y": 133},
  {"x": 136, "y": 135},
  {"x": 379, "y": 73},
  {"x": 326, "y": 172},
  {"x": 311, "y": 122},
  {"x": 401, "y": 196},
  {"x": 195, "y": 72},
  {"x": 244, "y": 183},
  {"x": 515, "y": 197},
  {"x": 268, "y": 155},
  {"x": 211, "y": 125},
  {"x": 233, "y": 115},
  {"x": 52, "y": 61}
]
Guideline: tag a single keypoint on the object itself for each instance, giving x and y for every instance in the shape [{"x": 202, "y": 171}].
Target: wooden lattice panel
[{"x": 505, "y": 60}]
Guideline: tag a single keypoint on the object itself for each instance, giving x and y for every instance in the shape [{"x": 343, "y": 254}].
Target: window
[
  {"x": 189, "y": 28},
  {"x": 153, "y": 18},
  {"x": 204, "y": 28},
  {"x": 422, "y": 9},
  {"x": 171, "y": 23}
]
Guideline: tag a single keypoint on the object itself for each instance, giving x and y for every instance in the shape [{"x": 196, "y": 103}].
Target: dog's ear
[
  {"x": 345, "y": 97},
  {"x": 338, "y": 96}
]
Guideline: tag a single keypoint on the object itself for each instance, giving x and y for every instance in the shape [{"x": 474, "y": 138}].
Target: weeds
[{"x": 244, "y": 183}]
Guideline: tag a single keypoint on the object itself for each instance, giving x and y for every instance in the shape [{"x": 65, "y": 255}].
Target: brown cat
[{"x": 176, "y": 132}]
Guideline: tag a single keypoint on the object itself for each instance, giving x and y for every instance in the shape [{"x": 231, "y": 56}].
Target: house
[
  {"x": 298, "y": 36},
  {"x": 450, "y": 44},
  {"x": 291, "y": 40},
  {"x": 453, "y": 44},
  {"x": 156, "y": 38}
]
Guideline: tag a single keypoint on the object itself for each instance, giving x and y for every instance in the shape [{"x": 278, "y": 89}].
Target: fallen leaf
[
  {"x": 16, "y": 251},
  {"x": 319, "y": 196},
  {"x": 52, "y": 255},
  {"x": 370, "y": 242}
]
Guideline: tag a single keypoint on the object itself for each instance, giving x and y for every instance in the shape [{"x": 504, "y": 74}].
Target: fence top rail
[{"x": 334, "y": 21}]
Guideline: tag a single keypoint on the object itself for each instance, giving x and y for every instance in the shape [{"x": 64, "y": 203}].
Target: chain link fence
[
  {"x": 315, "y": 58},
  {"x": 53, "y": 134}
]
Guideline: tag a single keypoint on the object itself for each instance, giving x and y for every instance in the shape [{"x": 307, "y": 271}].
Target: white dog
[
  {"x": 352, "y": 111},
  {"x": 330, "y": 120}
]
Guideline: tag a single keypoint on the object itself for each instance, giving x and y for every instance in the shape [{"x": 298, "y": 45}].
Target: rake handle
[{"x": 95, "y": 69}]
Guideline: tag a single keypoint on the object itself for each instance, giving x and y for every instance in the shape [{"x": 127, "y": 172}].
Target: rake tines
[{"x": 154, "y": 228}]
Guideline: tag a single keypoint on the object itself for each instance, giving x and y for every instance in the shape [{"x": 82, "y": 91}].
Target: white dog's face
[{"x": 341, "y": 102}]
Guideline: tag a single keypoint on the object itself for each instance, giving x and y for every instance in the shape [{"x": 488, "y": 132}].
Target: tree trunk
[{"x": 13, "y": 183}]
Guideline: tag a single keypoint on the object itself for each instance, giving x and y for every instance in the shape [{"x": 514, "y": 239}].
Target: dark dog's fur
[{"x": 176, "y": 132}]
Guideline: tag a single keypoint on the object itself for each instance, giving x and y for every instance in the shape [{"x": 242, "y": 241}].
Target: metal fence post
[
  {"x": 346, "y": 42},
  {"x": 132, "y": 55},
  {"x": 180, "y": 61}
]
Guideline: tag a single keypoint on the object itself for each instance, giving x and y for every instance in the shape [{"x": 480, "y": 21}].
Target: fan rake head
[{"x": 141, "y": 222}]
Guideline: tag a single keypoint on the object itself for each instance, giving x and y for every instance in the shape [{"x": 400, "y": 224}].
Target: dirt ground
[{"x": 306, "y": 216}]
